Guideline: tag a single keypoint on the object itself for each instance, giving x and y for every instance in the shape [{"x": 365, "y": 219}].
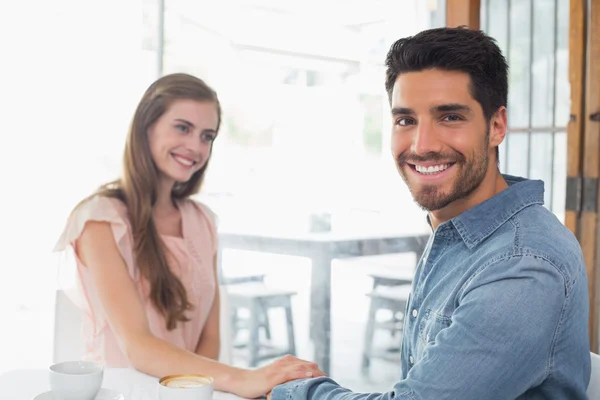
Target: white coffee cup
[
  {"x": 186, "y": 387},
  {"x": 76, "y": 380}
]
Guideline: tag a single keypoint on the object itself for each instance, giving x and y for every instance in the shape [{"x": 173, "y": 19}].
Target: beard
[{"x": 470, "y": 173}]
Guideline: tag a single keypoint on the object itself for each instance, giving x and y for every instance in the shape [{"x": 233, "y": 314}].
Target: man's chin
[{"x": 431, "y": 201}]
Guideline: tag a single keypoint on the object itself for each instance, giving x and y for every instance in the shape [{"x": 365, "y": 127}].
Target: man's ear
[{"x": 498, "y": 126}]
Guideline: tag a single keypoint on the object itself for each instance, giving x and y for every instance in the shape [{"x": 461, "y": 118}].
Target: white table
[
  {"x": 322, "y": 249},
  {"x": 25, "y": 384}
]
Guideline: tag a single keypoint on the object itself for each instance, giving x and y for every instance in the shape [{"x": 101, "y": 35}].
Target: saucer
[{"x": 103, "y": 394}]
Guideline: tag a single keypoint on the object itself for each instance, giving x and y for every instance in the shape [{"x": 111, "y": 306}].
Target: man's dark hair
[{"x": 454, "y": 49}]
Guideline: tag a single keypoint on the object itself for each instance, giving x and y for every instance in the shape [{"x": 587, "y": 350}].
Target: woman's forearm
[{"x": 156, "y": 357}]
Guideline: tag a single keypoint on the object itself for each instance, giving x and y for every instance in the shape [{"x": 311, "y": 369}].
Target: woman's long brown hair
[{"x": 137, "y": 188}]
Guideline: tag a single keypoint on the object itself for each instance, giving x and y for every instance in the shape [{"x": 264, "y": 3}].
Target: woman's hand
[{"x": 258, "y": 382}]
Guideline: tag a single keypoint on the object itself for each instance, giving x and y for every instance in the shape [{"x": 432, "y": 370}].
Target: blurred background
[{"x": 306, "y": 133}]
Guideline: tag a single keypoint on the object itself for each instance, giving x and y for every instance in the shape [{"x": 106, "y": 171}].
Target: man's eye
[
  {"x": 404, "y": 121},
  {"x": 452, "y": 118}
]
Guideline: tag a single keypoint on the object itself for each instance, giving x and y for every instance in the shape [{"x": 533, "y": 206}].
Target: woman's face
[{"x": 181, "y": 139}]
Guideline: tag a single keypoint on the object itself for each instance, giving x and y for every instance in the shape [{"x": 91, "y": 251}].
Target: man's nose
[{"x": 425, "y": 139}]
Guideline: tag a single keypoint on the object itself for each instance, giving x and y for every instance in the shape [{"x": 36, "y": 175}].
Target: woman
[{"x": 146, "y": 253}]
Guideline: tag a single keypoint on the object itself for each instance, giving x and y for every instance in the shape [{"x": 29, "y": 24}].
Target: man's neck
[{"x": 489, "y": 187}]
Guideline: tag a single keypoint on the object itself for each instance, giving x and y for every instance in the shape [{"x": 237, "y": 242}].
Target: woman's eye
[
  {"x": 182, "y": 128},
  {"x": 208, "y": 137}
]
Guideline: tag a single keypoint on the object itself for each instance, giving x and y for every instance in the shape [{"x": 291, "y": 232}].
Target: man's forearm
[{"x": 326, "y": 389}]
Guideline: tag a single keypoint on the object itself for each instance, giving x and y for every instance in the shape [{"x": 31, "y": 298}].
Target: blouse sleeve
[
  {"x": 102, "y": 209},
  {"x": 79, "y": 286}
]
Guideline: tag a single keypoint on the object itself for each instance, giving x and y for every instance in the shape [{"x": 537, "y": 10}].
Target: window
[
  {"x": 306, "y": 138},
  {"x": 305, "y": 132},
  {"x": 534, "y": 37}
]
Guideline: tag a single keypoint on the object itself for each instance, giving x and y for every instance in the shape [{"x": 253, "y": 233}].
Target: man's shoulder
[{"x": 537, "y": 232}]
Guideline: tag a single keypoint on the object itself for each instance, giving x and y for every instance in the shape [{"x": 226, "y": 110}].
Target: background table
[
  {"x": 322, "y": 249},
  {"x": 25, "y": 384}
]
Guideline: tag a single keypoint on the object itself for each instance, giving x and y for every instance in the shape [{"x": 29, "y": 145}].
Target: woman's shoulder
[
  {"x": 203, "y": 210},
  {"x": 102, "y": 207},
  {"x": 95, "y": 208}
]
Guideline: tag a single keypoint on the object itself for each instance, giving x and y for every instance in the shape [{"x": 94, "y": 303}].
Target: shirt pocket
[{"x": 432, "y": 323}]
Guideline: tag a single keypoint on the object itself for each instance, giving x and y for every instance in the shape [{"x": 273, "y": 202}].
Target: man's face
[{"x": 440, "y": 139}]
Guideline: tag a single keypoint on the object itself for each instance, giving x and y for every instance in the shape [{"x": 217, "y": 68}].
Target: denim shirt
[{"x": 498, "y": 310}]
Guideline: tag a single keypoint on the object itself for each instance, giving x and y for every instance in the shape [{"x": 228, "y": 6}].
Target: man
[{"x": 499, "y": 303}]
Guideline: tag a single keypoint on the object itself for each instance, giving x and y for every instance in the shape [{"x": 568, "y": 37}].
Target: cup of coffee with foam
[{"x": 186, "y": 387}]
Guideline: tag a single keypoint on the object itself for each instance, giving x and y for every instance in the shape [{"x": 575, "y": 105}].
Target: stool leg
[
  {"x": 264, "y": 320},
  {"x": 234, "y": 323},
  {"x": 290, "y": 327},
  {"x": 254, "y": 337},
  {"x": 369, "y": 333}
]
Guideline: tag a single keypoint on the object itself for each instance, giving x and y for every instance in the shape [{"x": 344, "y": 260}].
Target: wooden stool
[
  {"x": 258, "y": 299},
  {"x": 236, "y": 322},
  {"x": 236, "y": 280},
  {"x": 392, "y": 279},
  {"x": 394, "y": 299}
]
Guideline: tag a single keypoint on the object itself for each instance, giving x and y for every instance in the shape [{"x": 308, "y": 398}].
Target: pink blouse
[{"x": 191, "y": 259}]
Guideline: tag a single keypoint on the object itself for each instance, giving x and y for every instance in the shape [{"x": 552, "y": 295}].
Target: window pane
[
  {"x": 542, "y": 112},
  {"x": 541, "y": 163},
  {"x": 504, "y": 156},
  {"x": 563, "y": 99},
  {"x": 372, "y": 122},
  {"x": 150, "y": 38},
  {"x": 518, "y": 151},
  {"x": 497, "y": 22},
  {"x": 559, "y": 191},
  {"x": 85, "y": 63},
  {"x": 483, "y": 19},
  {"x": 519, "y": 58},
  {"x": 300, "y": 113},
  {"x": 438, "y": 13}
]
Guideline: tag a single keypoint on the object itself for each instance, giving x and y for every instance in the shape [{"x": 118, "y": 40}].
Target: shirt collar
[{"x": 479, "y": 222}]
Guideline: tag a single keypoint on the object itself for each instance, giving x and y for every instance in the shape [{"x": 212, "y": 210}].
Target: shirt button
[
  {"x": 411, "y": 359},
  {"x": 415, "y": 313}
]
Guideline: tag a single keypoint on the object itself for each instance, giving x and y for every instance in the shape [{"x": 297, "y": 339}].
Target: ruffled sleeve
[
  {"x": 102, "y": 209},
  {"x": 73, "y": 277}
]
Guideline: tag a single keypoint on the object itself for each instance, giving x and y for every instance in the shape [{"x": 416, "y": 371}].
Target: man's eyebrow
[
  {"x": 452, "y": 107},
  {"x": 402, "y": 111}
]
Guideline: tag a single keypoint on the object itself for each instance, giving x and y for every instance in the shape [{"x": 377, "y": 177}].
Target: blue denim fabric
[{"x": 498, "y": 310}]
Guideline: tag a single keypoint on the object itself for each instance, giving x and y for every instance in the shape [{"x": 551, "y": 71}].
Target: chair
[
  {"x": 258, "y": 299},
  {"x": 403, "y": 277},
  {"x": 68, "y": 339},
  {"x": 238, "y": 323},
  {"x": 394, "y": 299},
  {"x": 593, "y": 390},
  {"x": 392, "y": 279}
]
